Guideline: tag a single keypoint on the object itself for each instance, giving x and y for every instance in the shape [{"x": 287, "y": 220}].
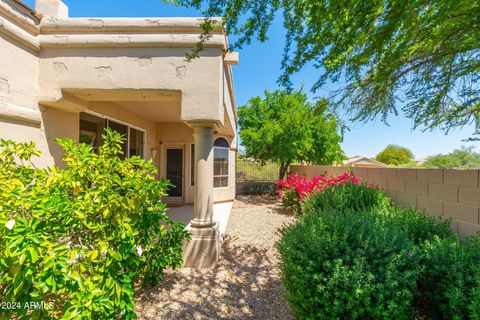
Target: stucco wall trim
[
  {"x": 19, "y": 34},
  {"x": 20, "y": 15},
  {"x": 13, "y": 111},
  {"x": 93, "y": 25},
  {"x": 129, "y": 41}
]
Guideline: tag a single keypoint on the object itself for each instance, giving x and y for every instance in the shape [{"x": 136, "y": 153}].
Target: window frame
[
  {"x": 192, "y": 165},
  {"x": 228, "y": 165},
  {"x": 128, "y": 125}
]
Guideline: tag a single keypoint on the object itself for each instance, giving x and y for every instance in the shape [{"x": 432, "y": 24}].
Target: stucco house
[{"x": 73, "y": 77}]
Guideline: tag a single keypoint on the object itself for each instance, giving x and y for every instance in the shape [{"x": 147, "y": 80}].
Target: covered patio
[{"x": 130, "y": 75}]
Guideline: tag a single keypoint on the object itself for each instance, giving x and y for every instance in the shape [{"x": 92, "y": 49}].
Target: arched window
[
  {"x": 221, "y": 142},
  {"x": 221, "y": 150}
]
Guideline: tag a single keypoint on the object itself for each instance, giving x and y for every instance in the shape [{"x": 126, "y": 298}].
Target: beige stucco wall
[
  {"x": 50, "y": 66},
  {"x": 445, "y": 193},
  {"x": 20, "y": 117},
  {"x": 18, "y": 74},
  {"x": 137, "y": 68}
]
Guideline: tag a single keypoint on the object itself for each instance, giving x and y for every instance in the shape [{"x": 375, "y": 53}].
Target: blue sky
[{"x": 259, "y": 69}]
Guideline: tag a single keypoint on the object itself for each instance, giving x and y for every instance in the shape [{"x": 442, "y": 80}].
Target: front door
[{"x": 175, "y": 172}]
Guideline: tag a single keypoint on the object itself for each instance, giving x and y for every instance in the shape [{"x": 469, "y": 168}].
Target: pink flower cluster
[{"x": 301, "y": 186}]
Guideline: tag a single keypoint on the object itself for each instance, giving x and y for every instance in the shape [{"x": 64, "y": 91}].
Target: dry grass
[{"x": 246, "y": 283}]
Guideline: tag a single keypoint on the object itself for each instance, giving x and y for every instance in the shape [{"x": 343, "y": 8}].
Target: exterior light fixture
[{"x": 153, "y": 152}]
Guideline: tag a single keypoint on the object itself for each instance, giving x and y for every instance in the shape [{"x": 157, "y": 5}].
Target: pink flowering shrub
[{"x": 293, "y": 190}]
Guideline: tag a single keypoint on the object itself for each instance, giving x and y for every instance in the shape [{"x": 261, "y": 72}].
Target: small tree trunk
[
  {"x": 283, "y": 170},
  {"x": 280, "y": 172}
]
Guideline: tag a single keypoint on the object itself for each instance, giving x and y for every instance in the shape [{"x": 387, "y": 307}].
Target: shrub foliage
[
  {"x": 293, "y": 190},
  {"x": 354, "y": 255},
  {"x": 450, "y": 283},
  {"x": 346, "y": 196},
  {"x": 337, "y": 265},
  {"x": 79, "y": 238}
]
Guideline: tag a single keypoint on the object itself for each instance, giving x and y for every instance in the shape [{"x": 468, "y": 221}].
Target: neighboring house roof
[
  {"x": 420, "y": 161},
  {"x": 363, "y": 161}
]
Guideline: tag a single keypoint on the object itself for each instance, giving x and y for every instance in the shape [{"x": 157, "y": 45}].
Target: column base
[{"x": 203, "y": 250}]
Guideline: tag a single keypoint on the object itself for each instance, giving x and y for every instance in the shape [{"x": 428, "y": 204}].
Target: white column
[
  {"x": 203, "y": 199},
  {"x": 204, "y": 249}
]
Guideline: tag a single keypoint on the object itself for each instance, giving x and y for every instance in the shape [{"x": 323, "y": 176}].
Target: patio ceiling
[
  {"x": 156, "y": 105},
  {"x": 156, "y": 111}
]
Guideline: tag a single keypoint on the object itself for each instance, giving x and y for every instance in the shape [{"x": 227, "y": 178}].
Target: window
[
  {"x": 123, "y": 130},
  {"x": 220, "y": 163},
  {"x": 92, "y": 128},
  {"x": 136, "y": 143}
]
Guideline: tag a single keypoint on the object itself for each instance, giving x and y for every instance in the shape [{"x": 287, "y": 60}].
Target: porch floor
[{"x": 221, "y": 213}]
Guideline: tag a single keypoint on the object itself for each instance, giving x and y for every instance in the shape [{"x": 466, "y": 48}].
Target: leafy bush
[
  {"x": 450, "y": 284},
  {"x": 350, "y": 237},
  {"x": 296, "y": 188},
  {"x": 79, "y": 238},
  {"x": 259, "y": 188},
  {"x": 418, "y": 227},
  {"x": 347, "y": 265},
  {"x": 346, "y": 196}
]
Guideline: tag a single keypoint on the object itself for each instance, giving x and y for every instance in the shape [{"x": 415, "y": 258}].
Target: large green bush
[
  {"x": 346, "y": 265},
  {"x": 79, "y": 238},
  {"x": 259, "y": 188},
  {"x": 418, "y": 227},
  {"x": 345, "y": 196},
  {"x": 355, "y": 255},
  {"x": 450, "y": 283}
]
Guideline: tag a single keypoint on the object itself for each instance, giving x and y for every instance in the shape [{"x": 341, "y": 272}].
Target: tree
[
  {"x": 395, "y": 155},
  {"x": 422, "y": 57},
  {"x": 285, "y": 128},
  {"x": 463, "y": 158}
]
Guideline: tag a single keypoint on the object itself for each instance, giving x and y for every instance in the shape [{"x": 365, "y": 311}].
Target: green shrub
[
  {"x": 291, "y": 201},
  {"x": 259, "y": 188},
  {"x": 345, "y": 196},
  {"x": 450, "y": 284},
  {"x": 418, "y": 227},
  {"x": 350, "y": 237},
  {"x": 293, "y": 190},
  {"x": 348, "y": 265},
  {"x": 79, "y": 238}
]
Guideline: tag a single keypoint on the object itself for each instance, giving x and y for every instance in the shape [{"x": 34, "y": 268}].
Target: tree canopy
[
  {"x": 463, "y": 158},
  {"x": 420, "y": 58},
  {"x": 395, "y": 155},
  {"x": 285, "y": 128}
]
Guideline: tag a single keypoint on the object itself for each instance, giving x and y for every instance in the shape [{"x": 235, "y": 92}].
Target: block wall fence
[{"x": 443, "y": 193}]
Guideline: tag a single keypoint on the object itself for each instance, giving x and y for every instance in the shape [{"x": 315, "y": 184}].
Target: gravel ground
[{"x": 246, "y": 283}]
